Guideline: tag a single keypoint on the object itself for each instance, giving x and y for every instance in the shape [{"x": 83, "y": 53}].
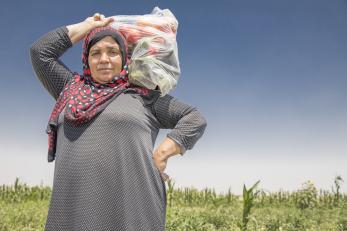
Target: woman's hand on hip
[
  {"x": 79, "y": 30},
  {"x": 162, "y": 153}
]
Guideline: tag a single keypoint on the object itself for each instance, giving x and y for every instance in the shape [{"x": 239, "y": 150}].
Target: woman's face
[{"x": 105, "y": 60}]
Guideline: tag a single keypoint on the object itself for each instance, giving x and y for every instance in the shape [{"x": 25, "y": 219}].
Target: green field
[{"x": 24, "y": 208}]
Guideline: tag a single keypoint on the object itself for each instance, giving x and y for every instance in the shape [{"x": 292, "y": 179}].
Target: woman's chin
[{"x": 104, "y": 78}]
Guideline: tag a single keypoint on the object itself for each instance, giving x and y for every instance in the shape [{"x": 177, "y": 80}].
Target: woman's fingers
[
  {"x": 102, "y": 20},
  {"x": 106, "y": 21},
  {"x": 96, "y": 16},
  {"x": 165, "y": 176},
  {"x": 99, "y": 17},
  {"x": 109, "y": 20}
]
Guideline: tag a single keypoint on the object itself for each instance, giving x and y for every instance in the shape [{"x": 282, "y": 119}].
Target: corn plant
[
  {"x": 338, "y": 181},
  {"x": 248, "y": 201},
  {"x": 169, "y": 192},
  {"x": 307, "y": 196}
]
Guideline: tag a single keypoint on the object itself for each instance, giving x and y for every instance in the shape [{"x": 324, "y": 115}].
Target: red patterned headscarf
[{"x": 82, "y": 97}]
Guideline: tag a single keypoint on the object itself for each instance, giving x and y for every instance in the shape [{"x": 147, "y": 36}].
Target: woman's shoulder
[
  {"x": 154, "y": 98},
  {"x": 147, "y": 99}
]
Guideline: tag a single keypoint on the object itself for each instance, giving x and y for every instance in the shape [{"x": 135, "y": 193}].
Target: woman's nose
[{"x": 104, "y": 57}]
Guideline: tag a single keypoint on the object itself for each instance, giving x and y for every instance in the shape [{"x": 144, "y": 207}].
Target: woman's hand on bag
[
  {"x": 161, "y": 154},
  {"x": 79, "y": 30},
  {"x": 98, "y": 20}
]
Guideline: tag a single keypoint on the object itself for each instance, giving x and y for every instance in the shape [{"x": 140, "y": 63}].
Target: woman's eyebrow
[
  {"x": 94, "y": 49},
  {"x": 108, "y": 47},
  {"x": 111, "y": 47}
]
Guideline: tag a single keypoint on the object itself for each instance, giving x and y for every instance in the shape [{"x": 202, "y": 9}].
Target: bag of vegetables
[{"x": 152, "y": 48}]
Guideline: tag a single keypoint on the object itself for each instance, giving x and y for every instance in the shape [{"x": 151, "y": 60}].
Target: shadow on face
[{"x": 105, "y": 60}]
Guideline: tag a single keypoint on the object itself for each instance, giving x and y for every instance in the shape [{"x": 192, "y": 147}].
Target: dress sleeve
[
  {"x": 186, "y": 122},
  {"x": 45, "y": 53}
]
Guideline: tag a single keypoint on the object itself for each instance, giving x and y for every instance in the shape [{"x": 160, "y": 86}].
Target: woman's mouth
[{"x": 104, "y": 69}]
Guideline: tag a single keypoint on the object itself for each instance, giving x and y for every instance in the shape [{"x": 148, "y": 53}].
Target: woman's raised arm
[
  {"x": 46, "y": 51},
  {"x": 80, "y": 30},
  {"x": 45, "y": 54}
]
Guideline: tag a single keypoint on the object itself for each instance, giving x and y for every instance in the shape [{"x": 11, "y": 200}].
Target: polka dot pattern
[{"x": 104, "y": 174}]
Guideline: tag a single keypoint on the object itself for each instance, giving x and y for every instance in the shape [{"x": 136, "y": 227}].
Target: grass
[{"x": 24, "y": 208}]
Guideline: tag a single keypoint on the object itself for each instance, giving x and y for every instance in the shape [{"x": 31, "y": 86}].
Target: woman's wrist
[
  {"x": 174, "y": 147},
  {"x": 78, "y": 31}
]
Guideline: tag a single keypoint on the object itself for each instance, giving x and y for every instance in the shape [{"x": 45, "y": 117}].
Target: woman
[{"x": 102, "y": 131}]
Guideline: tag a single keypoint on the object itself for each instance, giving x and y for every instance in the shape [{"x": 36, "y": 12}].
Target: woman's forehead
[{"x": 106, "y": 42}]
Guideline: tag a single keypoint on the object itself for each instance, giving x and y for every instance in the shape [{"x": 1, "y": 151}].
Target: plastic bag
[{"x": 152, "y": 48}]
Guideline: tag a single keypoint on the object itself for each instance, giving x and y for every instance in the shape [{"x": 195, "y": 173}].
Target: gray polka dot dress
[{"x": 104, "y": 174}]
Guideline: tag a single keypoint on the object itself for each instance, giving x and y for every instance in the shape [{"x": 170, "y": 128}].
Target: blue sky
[{"x": 269, "y": 76}]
